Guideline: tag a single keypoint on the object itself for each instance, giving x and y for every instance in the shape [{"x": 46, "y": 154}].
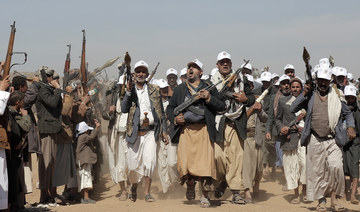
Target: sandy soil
[{"x": 272, "y": 198}]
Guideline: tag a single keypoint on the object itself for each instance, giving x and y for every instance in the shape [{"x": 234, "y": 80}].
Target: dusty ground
[{"x": 272, "y": 198}]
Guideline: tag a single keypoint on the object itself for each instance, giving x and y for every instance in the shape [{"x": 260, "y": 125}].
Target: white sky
[{"x": 269, "y": 33}]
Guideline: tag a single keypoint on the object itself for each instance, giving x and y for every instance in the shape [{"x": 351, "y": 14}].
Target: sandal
[
  {"x": 190, "y": 190},
  {"x": 321, "y": 207},
  {"x": 237, "y": 199},
  {"x": 133, "y": 194},
  {"x": 337, "y": 207},
  {"x": 204, "y": 202},
  {"x": 295, "y": 201},
  {"x": 149, "y": 198},
  {"x": 354, "y": 201}
]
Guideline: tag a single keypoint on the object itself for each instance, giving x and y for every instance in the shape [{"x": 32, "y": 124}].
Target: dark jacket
[
  {"x": 130, "y": 104},
  {"x": 210, "y": 109},
  {"x": 85, "y": 149},
  {"x": 308, "y": 103},
  {"x": 283, "y": 118},
  {"x": 48, "y": 107},
  {"x": 240, "y": 123}
]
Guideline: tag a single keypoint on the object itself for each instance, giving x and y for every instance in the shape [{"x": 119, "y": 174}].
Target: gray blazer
[{"x": 304, "y": 102}]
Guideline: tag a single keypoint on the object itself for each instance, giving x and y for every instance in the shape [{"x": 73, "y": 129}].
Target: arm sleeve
[{"x": 4, "y": 97}]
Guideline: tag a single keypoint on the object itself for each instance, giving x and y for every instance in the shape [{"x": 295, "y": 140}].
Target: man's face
[
  {"x": 350, "y": 99},
  {"x": 266, "y": 84},
  {"x": 246, "y": 71},
  {"x": 340, "y": 80},
  {"x": 141, "y": 73},
  {"x": 285, "y": 87},
  {"x": 290, "y": 73},
  {"x": 323, "y": 85},
  {"x": 224, "y": 66},
  {"x": 251, "y": 84},
  {"x": 23, "y": 88},
  {"x": 171, "y": 78},
  {"x": 193, "y": 73},
  {"x": 164, "y": 92},
  {"x": 295, "y": 88}
]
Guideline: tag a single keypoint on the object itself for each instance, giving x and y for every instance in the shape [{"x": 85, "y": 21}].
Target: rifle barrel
[{"x": 9, "y": 51}]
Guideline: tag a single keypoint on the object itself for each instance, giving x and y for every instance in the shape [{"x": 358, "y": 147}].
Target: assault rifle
[
  {"x": 226, "y": 89},
  {"x": 194, "y": 98},
  {"x": 83, "y": 65},
  {"x": 10, "y": 53},
  {"x": 66, "y": 68},
  {"x": 153, "y": 72}
]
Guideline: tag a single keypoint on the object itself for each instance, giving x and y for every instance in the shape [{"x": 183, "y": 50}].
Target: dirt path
[{"x": 272, "y": 198}]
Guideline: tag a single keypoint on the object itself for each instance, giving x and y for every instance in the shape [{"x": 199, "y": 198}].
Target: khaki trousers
[
  {"x": 252, "y": 163},
  {"x": 229, "y": 158}
]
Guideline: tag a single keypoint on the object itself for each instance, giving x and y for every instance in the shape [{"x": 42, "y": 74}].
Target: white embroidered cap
[
  {"x": 350, "y": 90},
  {"x": 289, "y": 66},
  {"x": 141, "y": 63},
  {"x": 339, "y": 71},
  {"x": 171, "y": 71},
  {"x": 162, "y": 83},
  {"x": 196, "y": 62},
  {"x": 183, "y": 71},
  {"x": 282, "y": 78},
  {"x": 324, "y": 62},
  {"x": 323, "y": 73},
  {"x": 273, "y": 75},
  {"x": 350, "y": 76},
  {"x": 223, "y": 55},
  {"x": 248, "y": 66},
  {"x": 266, "y": 76}
]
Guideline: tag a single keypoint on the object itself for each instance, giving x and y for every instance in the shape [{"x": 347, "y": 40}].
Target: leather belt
[{"x": 143, "y": 131}]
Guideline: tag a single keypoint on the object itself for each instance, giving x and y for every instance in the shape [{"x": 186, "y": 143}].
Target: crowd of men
[{"x": 226, "y": 130}]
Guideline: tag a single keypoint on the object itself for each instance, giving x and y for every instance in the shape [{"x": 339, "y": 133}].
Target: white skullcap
[
  {"x": 162, "y": 83},
  {"x": 248, "y": 66},
  {"x": 258, "y": 80},
  {"x": 141, "y": 63},
  {"x": 350, "y": 90},
  {"x": 350, "y": 76},
  {"x": 81, "y": 128},
  {"x": 289, "y": 66},
  {"x": 196, "y": 62},
  {"x": 153, "y": 81},
  {"x": 183, "y": 71},
  {"x": 323, "y": 73},
  {"x": 250, "y": 78},
  {"x": 282, "y": 78},
  {"x": 171, "y": 71},
  {"x": 324, "y": 62},
  {"x": 213, "y": 71},
  {"x": 223, "y": 55},
  {"x": 266, "y": 76}
]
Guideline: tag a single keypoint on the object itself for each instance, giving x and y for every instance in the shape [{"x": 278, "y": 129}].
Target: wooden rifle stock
[
  {"x": 83, "y": 65},
  {"x": 9, "y": 51}
]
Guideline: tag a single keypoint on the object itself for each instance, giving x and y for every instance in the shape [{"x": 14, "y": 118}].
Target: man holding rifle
[
  {"x": 145, "y": 125},
  {"x": 323, "y": 133},
  {"x": 232, "y": 128},
  {"x": 195, "y": 131}
]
